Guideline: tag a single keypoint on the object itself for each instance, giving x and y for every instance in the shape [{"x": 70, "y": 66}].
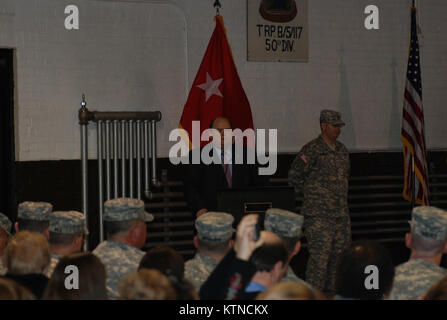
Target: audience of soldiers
[
  {"x": 289, "y": 291},
  {"x": 77, "y": 276},
  {"x": 5, "y": 233},
  {"x": 26, "y": 258},
  {"x": 44, "y": 259},
  {"x": 34, "y": 216},
  {"x": 427, "y": 242},
  {"x": 288, "y": 226},
  {"x": 125, "y": 224},
  {"x": 213, "y": 241},
  {"x": 67, "y": 233},
  {"x": 171, "y": 264},
  {"x": 146, "y": 284},
  {"x": 365, "y": 272}
]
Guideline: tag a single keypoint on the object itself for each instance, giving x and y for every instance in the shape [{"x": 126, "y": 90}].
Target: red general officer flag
[{"x": 217, "y": 90}]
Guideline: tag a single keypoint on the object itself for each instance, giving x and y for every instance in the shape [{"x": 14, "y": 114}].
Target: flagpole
[
  {"x": 413, "y": 189},
  {"x": 413, "y": 182},
  {"x": 413, "y": 178}
]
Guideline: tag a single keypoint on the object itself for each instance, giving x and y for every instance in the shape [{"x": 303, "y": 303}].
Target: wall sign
[{"x": 277, "y": 30}]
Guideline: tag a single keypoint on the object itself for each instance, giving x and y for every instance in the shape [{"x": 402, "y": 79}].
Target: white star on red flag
[{"x": 211, "y": 87}]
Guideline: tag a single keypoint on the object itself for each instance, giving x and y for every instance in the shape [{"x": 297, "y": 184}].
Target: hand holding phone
[
  {"x": 245, "y": 243},
  {"x": 257, "y": 229}
]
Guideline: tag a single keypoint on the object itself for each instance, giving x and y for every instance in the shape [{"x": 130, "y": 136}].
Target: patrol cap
[
  {"x": 331, "y": 117},
  {"x": 67, "y": 222},
  {"x": 429, "y": 222},
  {"x": 215, "y": 226},
  {"x": 35, "y": 210},
  {"x": 283, "y": 223},
  {"x": 5, "y": 223},
  {"x": 122, "y": 209}
]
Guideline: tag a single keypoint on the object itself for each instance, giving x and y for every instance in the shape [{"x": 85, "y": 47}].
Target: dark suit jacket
[
  {"x": 229, "y": 280},
  {"x": 202, "y": 182}
]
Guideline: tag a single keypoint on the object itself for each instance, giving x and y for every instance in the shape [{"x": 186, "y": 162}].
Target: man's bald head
[
  {"x": 270, "y": 238},
  {"x": 220, "y": 124}
]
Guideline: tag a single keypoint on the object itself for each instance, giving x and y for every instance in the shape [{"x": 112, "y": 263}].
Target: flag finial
[{"x": 217, "y": 5}]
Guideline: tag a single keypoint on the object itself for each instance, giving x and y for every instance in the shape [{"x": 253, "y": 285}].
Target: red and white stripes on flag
[{"x": 413, "y": 133}]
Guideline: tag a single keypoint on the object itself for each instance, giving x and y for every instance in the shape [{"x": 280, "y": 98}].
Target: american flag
[{"x": 413, "y": 133}]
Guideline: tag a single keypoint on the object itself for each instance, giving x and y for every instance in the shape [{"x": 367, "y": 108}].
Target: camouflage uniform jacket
[
  {"x": 198, "y": 269},
  {"x": 322, "y": 175},
  {"x": 54, "y": 261},
  {"x": 414, "y": 278},
  {"x": 119, "y": 259},
  {"x": 292, "y": 277}
]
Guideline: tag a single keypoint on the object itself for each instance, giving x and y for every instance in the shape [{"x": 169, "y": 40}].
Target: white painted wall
[{"x": 143, "y": 55}]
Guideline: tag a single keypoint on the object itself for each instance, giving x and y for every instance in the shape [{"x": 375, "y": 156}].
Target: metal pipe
[
  {"x": 127, "y": 146},
  {"x": 138, "y": 159},
  {"x": 149, "y": 143},
  {"x": 146, "y": 159},
  {"x": 96, "y": 116},
  {"x": 100, "y": 180},
  {"x": 131, "y": 145},
  {"x": 108, "y": 191},
  {"x": 115, "y": 157},
  {"x": 84, "y": 160},
  {"x": 154, "y": 154},
  {"x": 123, "y": 157},
  {"x": 83, "y": 116}
]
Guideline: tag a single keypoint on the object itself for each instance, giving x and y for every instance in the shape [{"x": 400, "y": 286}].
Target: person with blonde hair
[
  {"x": 146, "y": 284},
  {"x": 288, "y": 291},
  {"x": 27, "y": 257},
  {"x": 438, "y": 291},
  {"x": 5, "y": 233},
  {"x": 11, "y": 290}
]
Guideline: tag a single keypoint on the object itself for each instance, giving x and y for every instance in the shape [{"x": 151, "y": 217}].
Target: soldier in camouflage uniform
[
  {"x": 213, "y": 241},
  {"x": 321, "y": 170},
  {"x": 287, "y": 225},
  {"x": 34, "y": 216},
  {"x": 5, "y": 233},
  {"x": 125, "y": 224},
  {"x": 428, "y": 242},
  {"x": 67, "y": 232}
]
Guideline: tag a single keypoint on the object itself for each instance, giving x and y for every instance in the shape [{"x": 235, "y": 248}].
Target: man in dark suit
[{"x": 202, "y": 181}]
